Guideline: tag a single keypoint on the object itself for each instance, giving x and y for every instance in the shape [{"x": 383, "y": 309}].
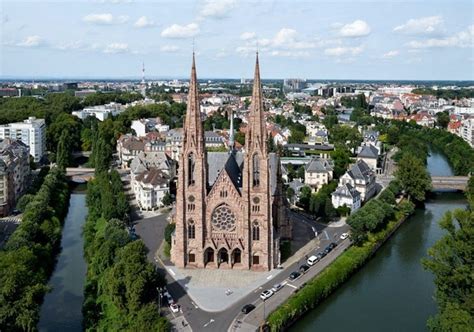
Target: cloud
[
  {"x": 144, "y": 22},
  {"x": 248, "y": 35},
  {"x": 217, "y": 8},
  {"x": 358, "y": 28},
  {"x": 105, "y": 19},
  {"x": 31, "y": 41},
  {"x": 390, "y": 54},
  {"x": 114, "y": 48},
  {"x": 169, "y": 48},
  {"x": 422, "y": 25},
  {"x": 462, "y": 39},
  {"x": 71, "y": 46},
  {"x": 340, "y": 51},
  {"x": 288, "y": 38},
  {"x": 290, "y": 54},
  {"x": 181, "y": 31}
]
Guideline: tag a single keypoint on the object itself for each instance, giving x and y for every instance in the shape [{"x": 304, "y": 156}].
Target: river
[
  {"x": 62, "y": 307},
  {"x": 392, "y": 292}
]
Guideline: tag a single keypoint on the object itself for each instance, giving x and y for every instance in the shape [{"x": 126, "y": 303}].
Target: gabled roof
[
  {"x": 318, "y": 165},
  {"x": 346, "y": 190},
  {"x": 368, "y": 151},
  {"x": 360, "y": 170}
]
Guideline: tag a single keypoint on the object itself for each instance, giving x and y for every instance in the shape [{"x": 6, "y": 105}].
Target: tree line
[
  {"x": 121, "y": 285},
  {"x": 29, "y": 256}
]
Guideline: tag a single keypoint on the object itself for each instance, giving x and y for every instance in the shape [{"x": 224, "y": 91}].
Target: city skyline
[{"x": 361, "y": 40}]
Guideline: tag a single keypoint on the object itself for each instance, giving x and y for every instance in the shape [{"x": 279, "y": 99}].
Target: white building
[
  {"x": 370, "y": 155},
  {"x": 100, "y": 112},
  {"x": 318, "y": 172},
  {"x": 346, "y": 195},
  {"x": 31, "y": 132},
  {"x": 144, "y": 126},
  {"x": 466, "y": 131},
  {"x": 362, "y": 178}
]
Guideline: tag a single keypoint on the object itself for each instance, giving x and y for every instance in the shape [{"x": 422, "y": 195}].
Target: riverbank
[
  {"x": 333, "y": 276},
  {"x": 30, "y": 254}
]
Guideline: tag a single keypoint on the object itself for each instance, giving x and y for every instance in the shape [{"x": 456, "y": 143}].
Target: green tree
[
  {"x": 451, "y": 261},
  {"x": 167, "y": 199},
  {"x": 63, "y": 153},
  {"x": 413, "y": 177},
  {"x": 442, "y": 119}
]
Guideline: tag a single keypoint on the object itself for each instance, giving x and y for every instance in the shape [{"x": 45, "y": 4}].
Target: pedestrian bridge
[
  {"x": 79, "y": 174},
  {"x": 449, "y": 182}
]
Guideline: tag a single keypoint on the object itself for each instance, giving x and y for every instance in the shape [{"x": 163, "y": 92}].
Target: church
[{"x": 230, "y": 206}]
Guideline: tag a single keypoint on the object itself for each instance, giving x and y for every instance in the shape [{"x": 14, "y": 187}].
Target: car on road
[
  {"x": 304, "y": 268},
  {"x": 321, "y": 255},
  {"x": 294, "y": 275},
  {"x": 174, "y": 307},
  {"x": 333, "y": 245},
  {"x": 247, "y": 308},
  {"x": 277, "y": 287},
  {"x": 312, "y": 260},
  {"x": 328, "y": 249},
  {"x": 344, "y": 236},
  {"x": 266, "y": 294}
]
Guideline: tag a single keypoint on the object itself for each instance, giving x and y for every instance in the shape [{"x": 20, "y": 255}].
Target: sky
[{"x": 359, "y": 39}]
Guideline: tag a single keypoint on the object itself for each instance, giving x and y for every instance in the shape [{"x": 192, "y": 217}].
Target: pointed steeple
[
  {"x": 193, "y": 131},
  {"x": 257, "y": 136}
]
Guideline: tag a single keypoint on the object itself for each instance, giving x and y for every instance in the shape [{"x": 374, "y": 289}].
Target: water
[
  {"x": 62, "y": 308},
  {"x": 392, "y": 292}
]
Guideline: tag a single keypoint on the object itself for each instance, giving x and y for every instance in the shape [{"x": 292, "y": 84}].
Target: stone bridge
[
  {"x": 438, "y": 182},
  {"x": 83, "y": 174}
]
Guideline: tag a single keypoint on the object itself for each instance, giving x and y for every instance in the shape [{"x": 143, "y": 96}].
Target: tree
[
  {"x": 305, "y": 196},
  {"x": 442, "y": 119},
  {"x": 450, "y": 260},
  {"x": 63, "y": 153},
  {"x": 290, "y": 194},
  {"x": 413, "y": 177},
  {"x": 166, "y": 199}
]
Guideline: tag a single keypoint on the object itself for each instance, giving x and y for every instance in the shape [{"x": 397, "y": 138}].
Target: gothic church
[{"x": 230, "y": 207}]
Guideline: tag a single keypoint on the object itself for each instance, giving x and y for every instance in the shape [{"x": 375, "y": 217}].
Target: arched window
[
  {"x": 256, "y": 170},
  {"x": 255, "y": 231},
  {"x": 191, "y": 229},
  {"x": 191, "y": 168}
]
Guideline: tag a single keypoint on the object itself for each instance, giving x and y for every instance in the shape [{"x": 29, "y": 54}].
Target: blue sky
[{"x": 304, "y": 39}]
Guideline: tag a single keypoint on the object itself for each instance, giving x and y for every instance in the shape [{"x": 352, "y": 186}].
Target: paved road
[{"x": 200, "y": 320}]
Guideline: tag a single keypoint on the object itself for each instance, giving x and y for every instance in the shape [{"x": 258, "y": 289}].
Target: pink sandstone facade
[{"x": 230, "y": 207}]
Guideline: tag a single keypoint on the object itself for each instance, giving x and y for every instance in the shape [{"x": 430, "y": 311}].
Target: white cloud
[
  {"x": 290, "y": 54},
  {"x": 105, "y": 19},
  {"x": 248, "y": 35},
  {"x": 340, "y": 51},
  {"x": 422, "y": 25},
  {"x": 73, "y": 45},
  {"x": 116, "y": 48},
  {"x": 358, "y": 28},
  {"x": 144, "y": 22},
  {"x": 31, "y": 41},
  {"x": 390, "y": 54},
  {"x": 461, "y": 39},
  {"x": 217, "y": 8},
  {"x": 169, "y": 48},
  {"x": 181, "y": 31}
]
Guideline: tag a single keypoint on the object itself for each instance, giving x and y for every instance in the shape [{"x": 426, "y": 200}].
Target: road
[{"x": 200, "y": 320}]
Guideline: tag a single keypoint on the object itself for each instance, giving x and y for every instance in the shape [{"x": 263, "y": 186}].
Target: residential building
[
  {"x": 226, "y": 218},
  {"x": 362, "y": 178},
  {"x": 466, "y": 131},
  {"x": 32, "y": 132},
  {"x": 346, "y": 195},
  {"x": 370, "y": 155},
  {"x": 14, "y": 173},
  {"x": 318, "y": 172},
  {"x": 100, "y": 112},
  {"x": 144, "y": 126}
]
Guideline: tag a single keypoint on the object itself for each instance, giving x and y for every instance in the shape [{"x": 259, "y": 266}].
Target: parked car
[
  {"x": 174, "y": 307},
  {"x": 344, "y": 236},
  {"x": 277, "y": 287},
  {"x": 333, "y": 245},
  {"x": 312, "y": 260},
  {"x": 266, "y": 294},
  {"x": 304, "y": 268},
  {"x": 327, "y": 250},
  {"x": 294, "y": 275},
  {"x": 321, "y": 255},
  {"x": 247, "y": 308}
]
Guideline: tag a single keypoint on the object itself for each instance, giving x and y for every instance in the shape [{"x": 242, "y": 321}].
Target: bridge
[
  {"x": 83, "y": 174},
  {"x": 438, "y": 182}
]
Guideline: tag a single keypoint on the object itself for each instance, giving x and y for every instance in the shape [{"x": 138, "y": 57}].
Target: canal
[
  {"x": 62, "y": 307},
  {"x": 392, "y": 292}
]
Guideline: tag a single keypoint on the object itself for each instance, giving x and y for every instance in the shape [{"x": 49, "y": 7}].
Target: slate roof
[
  {"x": 368, "y": 151},
  {"x": 318, "y": 165},
  {"x": 360, "y": 170},
  {"x": 154, "y": 177},
  {"x": 346, "y": 190}
]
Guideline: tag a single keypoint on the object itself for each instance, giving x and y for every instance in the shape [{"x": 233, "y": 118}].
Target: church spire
[
  {"x": 257, "y": 136},
  {"x": 193, "y": 131}
]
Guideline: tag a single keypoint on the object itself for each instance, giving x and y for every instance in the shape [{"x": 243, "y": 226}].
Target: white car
[
  {"x": 174, "y": 307},
  {"x": 344, "y": 236},
  {"x": 266, "y": 294},
  {"x": 312, "y": 260}
]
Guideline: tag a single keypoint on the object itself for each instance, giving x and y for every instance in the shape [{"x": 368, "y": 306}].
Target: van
[{"x": 312, "y": 260}]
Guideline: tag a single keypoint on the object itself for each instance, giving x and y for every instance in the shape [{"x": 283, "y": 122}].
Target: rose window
[{"x": 223, "y": 219}]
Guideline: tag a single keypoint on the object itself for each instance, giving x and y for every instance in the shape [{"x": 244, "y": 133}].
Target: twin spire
[{"x": 256, "y": 134}]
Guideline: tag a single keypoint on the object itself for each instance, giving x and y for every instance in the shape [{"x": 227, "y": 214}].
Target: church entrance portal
[{"x": 223, "y": 256}]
